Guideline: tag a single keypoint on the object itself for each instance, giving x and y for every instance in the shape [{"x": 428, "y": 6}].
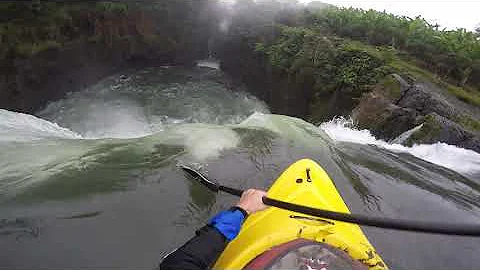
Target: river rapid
[{"x": 91, "y": 181}]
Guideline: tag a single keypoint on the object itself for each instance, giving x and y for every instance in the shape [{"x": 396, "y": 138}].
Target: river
[{"x": 91, "y": 181}]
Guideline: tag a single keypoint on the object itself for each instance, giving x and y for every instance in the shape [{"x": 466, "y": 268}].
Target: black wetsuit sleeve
[{"x": 200, "y": 252}]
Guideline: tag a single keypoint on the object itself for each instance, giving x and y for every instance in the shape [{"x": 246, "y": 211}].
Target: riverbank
[
  {"x": 311, "y": 69},
  {"x": 293, "y": 58},
  {"x": 52, "y": 48}
]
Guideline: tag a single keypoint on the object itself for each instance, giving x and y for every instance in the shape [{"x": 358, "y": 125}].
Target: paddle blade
[{"x": 200, "y": 177}]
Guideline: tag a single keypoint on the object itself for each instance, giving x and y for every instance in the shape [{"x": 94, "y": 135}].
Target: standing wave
[{"x": 24, "y": 127}]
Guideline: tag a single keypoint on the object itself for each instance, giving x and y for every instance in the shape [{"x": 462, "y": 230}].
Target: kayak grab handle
[
  {"x": 379, "y": 222},
  {"x": 308, "y": 175}
]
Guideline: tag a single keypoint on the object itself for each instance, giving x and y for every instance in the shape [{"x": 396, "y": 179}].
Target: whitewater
[
  {"x": 449, "y": 156},
  {"x": 91, "y": 181}
]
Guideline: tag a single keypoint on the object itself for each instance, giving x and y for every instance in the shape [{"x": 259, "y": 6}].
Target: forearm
[
  {"x": 203, "y": 250},
  {"x": 200, "y": 252}
]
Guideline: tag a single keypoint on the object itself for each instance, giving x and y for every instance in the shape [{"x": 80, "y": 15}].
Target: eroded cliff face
[
  {"x": 320, "y": 78},
  {"x": 283, "y": 93},
  {"x": 55, "y": 48},
  {"x": 393, "y": 106},
  {"x": 31, "y": 82}
]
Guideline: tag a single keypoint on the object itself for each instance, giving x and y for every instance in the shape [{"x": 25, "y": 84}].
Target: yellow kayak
[{"x": 304, "y": 183}]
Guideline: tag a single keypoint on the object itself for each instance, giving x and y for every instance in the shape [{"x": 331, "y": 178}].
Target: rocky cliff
[
  {"x": 294, "y": 59},
  {"x": 396, "y": 106},
  {"x": 29, "y": 83},
  {"x": 378, "y": 99},
  {"x": 51, "y": 48}
]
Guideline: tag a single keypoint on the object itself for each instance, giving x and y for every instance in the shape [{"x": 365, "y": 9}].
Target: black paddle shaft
[
  {"x": 380, "y": 222},
  {"x": 210, "y": 184},
  {"x": 233, "y": 191}
]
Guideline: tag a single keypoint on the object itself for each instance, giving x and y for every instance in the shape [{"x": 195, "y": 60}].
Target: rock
[
  {"x": 283, "y": 94},
  {"x": 424, "y": 100},
  {"x": 437, "y": 128},
  {"x": 384, "y": 119},
  {"x": 395, "y": 106},
  {"x": 30, "y": 83}
]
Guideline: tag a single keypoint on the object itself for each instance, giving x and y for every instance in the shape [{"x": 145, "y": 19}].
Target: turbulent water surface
[{"x": 91, "y": 181}]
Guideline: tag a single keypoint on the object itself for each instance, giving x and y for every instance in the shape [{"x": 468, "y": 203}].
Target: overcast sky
[{"x": 450, "y": 14}]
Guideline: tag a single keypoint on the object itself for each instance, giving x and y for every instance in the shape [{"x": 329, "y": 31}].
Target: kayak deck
[{"x": 304, "y": 183}]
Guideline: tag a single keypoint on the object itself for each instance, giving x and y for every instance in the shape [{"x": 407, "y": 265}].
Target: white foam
[
  {"x": 204, "y": 141},
  {"x": 449, "y": 156},
  {"x": 209, "y": 63},
  {"x": 24, "y": 127},
  {"x": 123, "y": 120}
]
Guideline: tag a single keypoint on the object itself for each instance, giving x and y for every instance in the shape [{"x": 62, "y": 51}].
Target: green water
[{"x": 101, "y": 189}]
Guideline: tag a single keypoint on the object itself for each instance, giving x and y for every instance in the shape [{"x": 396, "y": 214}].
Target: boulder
[
  {"x": 424, "y": 100},
  {"x": 384, "y": 119},
  {"x": 437, "y": 128},
  {"x": 396, "y": 106}
]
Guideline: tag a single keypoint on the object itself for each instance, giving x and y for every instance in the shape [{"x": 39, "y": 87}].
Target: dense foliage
[
  {"x": 346, "y": 50},
  {"x": 314, "y": 43},
  {"x": 50, "y": 47},
  {"x": 332, "y": 63},
  {"x": 33, "y": 26},
  {"x": 451, "y": 54}
]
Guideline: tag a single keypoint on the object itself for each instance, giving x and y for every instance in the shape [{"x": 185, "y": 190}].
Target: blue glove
[{"x": 229, "y": 222}]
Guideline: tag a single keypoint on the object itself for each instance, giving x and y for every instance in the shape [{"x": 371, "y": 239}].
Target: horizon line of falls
[{"x": 91, "y": 180}]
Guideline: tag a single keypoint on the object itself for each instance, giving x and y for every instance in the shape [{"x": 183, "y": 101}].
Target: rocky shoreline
[
  {"x": 300, "y": 67},
  {"x": 394, "y": 106},
  {"x": 388, "y": 116}
]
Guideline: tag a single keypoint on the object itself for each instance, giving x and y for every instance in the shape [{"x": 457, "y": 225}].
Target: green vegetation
[
  {"x": 468, "y": 123},
  {"x": 451, "y": 54},
  {"x": 330, "y": 50},
  {"x": 29, "y": 27},
  {"x": 349, "y": 50},
  {"x": 469, "y": 96},
  {"x": 408, "y": 67},
  {"x": 390, "y": 88},
  {"x": 29, "y": 49},
  {"x": 431, "y": 129},
  {"x": 334, "y": 64}
]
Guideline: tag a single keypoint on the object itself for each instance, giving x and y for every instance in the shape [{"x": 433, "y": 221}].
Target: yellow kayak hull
[{"x": 272, "y": 227}]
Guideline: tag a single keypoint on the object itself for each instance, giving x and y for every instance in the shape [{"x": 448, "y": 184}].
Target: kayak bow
[{"x": 303, "y": 183}]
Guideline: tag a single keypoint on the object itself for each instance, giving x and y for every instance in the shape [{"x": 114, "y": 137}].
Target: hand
[{"x": 251, "y": 201}]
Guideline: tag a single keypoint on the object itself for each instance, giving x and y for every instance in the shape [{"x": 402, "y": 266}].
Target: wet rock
[
  {"x": 28, "y": 84},
  {"x": 384, "y": 119},
  {"x": 395, "y": 106},
  {"x": 425, "y": 101},
  {"x": 437, "y": 128}
]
